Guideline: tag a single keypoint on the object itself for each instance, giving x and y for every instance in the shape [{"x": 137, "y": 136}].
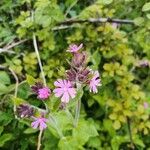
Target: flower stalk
[
  {"x": 39, "y": 140},
  {"x": 78, "y": 106}
]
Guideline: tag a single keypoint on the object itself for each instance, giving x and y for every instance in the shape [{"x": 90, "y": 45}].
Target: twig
[
  {"x": 62, "y": 27},
  {"x": 39, "y": 140},
  {"x": 17, "y": 81},
  {"x": 7, "y": 47},
  {"x": 39, "y": 60},
  {"x": 96, "y": 20}
]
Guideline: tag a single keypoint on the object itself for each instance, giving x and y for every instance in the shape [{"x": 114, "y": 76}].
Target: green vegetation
[{"x": 117, "y": 117}]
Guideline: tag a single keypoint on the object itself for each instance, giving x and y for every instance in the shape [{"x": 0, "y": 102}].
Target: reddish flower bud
[
  {"x": 79, "y": 60},
  {"x": 24, "y": 111}
]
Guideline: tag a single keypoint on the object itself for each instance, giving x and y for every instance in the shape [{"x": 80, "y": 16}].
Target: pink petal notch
[
  {"x": 95, "y": 82},
  {"x": 39, "y": 123}
]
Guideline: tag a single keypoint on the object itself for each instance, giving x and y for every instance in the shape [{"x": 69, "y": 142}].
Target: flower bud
[
  {"x": 24, "y": 111},
  {"x": 79, "y": 60}
]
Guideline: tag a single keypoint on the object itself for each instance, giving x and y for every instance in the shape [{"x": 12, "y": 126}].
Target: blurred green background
[{"x": 113, "y": 119}]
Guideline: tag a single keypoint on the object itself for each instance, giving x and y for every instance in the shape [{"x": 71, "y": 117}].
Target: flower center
[{"x": 65, "y": 89}]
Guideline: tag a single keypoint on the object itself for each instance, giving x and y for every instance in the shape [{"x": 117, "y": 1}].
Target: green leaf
[
  {"x": 17, "y": 101},
  {"x": 6, "y": 89},
  {"x": 138, "y": 141},
  {"x": 84, "y": 131},
  {"x": 118, "y": 140},
  {"x": 68, "y": 143},
  {"x": 148, "y": 16},
  {"x": 96, "y": 58},
  {"x": 30, "y": 80},
  {"x": 4, "y": 78},
  {"x": 5, "y": 118},
  {"x": 138, "y": 21},
  {"x": 4, "y": 138},
  {"x": 117, "y": 124},
  {"x": 105, "y": 2},
  {"x": 146, "y": 7},
  {"x": 24, "y": 90},
  {"x": 1, "y": 129},
  {"x": 94, "y": 142},
  {"x": 108, "y": 127},
  {"x": 30, "y": 130}
]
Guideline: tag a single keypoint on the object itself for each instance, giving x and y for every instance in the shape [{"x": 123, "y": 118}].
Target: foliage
[{"x": 114, "y": 51}]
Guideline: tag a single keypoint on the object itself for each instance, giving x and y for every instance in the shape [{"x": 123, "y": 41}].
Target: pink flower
[
  {"x": 146, "y": 105},
  {"x": 39, "y": 123},
  {"x": 64, "y": 90},
  {"x": 43, "y": 93},
  {"x": 74, "y": 48},
  {"x": 94, "y": 82}
]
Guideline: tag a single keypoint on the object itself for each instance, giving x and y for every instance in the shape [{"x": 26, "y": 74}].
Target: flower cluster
[{"x": 79, "y": 73}]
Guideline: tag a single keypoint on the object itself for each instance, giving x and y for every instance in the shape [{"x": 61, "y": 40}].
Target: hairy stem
[
  {"x": 77, "y": 113},
  {"x": 39, "y": 139},
  {"x": 78, "y": 104}
]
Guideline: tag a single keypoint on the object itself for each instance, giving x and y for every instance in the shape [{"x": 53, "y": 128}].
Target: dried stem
[
  {"x": 39, "y": 59},
  {"x": 39, "y": 139},
  {"x": 96, "y": 20},
  {"x": 9, "y": 46},
  {"x": 16, "y": 86}
]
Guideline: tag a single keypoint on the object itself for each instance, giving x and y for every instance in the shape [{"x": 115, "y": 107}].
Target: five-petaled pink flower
[
  {"x": 74, "y": 48},
  {"x": 44, "y": 93},
  {"x": 64, "y": 90},
  {"x": 94, "y": 82},
  {"x": 39, "y": 123}
]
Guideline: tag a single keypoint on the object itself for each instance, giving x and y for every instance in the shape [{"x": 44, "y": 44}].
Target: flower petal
[
  {"x": 42, "y": 125},
  {"x": 58, "y": 92},
  {"x": 59, "y": 83},
  {"x": 72, "y": 92},
  {"x": 35, "y": 124},
  {"x": 65, "y": 97}
]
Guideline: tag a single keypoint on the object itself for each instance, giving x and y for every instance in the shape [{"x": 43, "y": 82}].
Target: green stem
[
  {"x": 39, "y": 60},
  {"x": 39, "y": 140},
  {"x": 78, "y": 104},
  {"x": 77, "y": 113}
]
